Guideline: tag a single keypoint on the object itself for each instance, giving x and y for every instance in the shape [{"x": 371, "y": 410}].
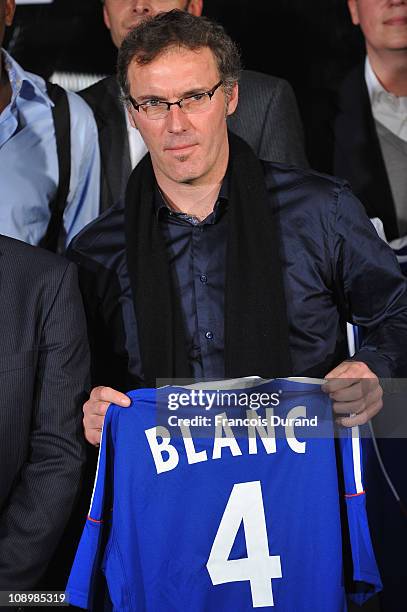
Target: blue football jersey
[{"x": 226, "y": 501}]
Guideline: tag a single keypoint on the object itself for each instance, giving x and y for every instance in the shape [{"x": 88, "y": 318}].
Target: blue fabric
[
  {"x": 363, "y": 559},
  {"x": 335, "y": 269},
  {"x": 29, "y": 164},
  {"x": 163, "y": 523}
]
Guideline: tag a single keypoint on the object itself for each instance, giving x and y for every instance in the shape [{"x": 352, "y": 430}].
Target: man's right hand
[{"x": 95, "y": 408}]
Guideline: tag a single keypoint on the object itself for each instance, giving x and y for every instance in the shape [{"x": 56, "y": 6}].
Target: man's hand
[
  {"x": 355, "y": 391},
  {"x": 95, "y": 408}
]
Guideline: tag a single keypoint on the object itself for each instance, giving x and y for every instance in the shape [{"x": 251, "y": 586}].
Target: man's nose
[
  {"x": 177, "y": 120},
  {"x": 142, "y": 7}
]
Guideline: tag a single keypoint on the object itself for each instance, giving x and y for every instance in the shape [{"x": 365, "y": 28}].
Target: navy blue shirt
[
  {"x": 197, "y": 251},
  {"x": 335, "y": 269}
]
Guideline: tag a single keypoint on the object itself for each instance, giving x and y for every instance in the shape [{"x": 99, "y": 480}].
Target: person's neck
[
  {"x": 5, "y": 87},
  {"x": 390, "y": 67},
  {"x": 195, "y": 199}
]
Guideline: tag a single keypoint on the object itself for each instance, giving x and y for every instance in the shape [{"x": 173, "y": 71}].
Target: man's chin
[
  {"x": 184, "y": 172},
  {"x": 181, "y": 172},
  {"x": 187, "y": 178}
]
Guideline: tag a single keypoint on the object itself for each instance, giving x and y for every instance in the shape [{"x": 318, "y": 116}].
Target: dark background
[{"x": 308, "y": 42}]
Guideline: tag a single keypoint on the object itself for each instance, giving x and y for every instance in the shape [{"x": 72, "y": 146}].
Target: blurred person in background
[
  {"x": 267, "y": 117},
  {"x": 49, "y": 157},
  {"x": 359, "y": 130},
  {"x": 44, "y": 368}
]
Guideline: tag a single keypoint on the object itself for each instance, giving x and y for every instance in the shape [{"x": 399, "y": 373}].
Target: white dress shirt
[
  {"x": 387, "y": 109},
  {"x": 136, "y": 144}
]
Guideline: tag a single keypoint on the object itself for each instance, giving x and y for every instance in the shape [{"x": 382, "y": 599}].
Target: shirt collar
[
  {"x": 162, "y": 207},
  {"x": 23, "y": 83},
  {"x": 377, "y": 93},
  {"x": 374, "y": 86},
  {"x": 389, "y": 110}
]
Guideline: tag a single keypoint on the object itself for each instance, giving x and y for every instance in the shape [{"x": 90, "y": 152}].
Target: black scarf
[{"x": 256, "y": 326}]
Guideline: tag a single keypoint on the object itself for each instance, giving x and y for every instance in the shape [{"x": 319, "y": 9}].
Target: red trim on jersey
[
  {"x": 354, "y": 494},
  {"x": 89, "y": 518}
]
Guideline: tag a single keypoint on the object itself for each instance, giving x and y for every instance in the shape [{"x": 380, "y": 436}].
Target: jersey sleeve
[
  {"x": 85, "y": 570},
  {"x": 366, "y": 577}
]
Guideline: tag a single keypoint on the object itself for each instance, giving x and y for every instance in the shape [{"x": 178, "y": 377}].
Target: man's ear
[
  {"x": 233, "y": 100},
  {"x": 9, "y": 12},
  {"x": 354, "y": 12},
  {"x": 131, "y": 118},
  {"x": 106, "y": 18},
  {"x": 195, "y": 7}
]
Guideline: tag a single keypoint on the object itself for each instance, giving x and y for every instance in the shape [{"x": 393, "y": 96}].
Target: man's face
[
  {"x": 122, "y": 15},
  {"x": 184, "y": 148},
  {"x": 7, "y": 8},
  {"x": 383, "y": 23}
]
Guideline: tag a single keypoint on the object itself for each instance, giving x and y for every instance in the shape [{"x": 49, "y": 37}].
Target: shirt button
[
  {"x": 209, "y": 335},
  {"x": 203, "y": 278}
]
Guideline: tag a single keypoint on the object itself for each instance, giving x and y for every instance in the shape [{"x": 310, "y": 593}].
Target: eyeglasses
[{"x": 159, "y": 109}]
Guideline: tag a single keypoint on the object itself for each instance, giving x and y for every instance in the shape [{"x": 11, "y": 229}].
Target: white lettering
[
  {"x": 192, "y": 455},
  {"x": 267, "y": 437},
  {"x": 158, "y": 448},
  {"x": 294, "y": 444},
  {"x": 220, "y": 441}
]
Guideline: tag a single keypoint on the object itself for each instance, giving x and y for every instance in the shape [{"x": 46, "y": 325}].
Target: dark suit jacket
[
  {"x": 341, "y": 139},
  {"x": 267, "y": 118},
  {"x": 44, "y": 366}
]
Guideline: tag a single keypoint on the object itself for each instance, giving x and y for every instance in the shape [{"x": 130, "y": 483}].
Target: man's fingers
[
  {"x": 93, "y": 436},
  {"x": 95, "y": 407},
  {"x": 336, "y": 385},
  {"x": 101, "y": 398},
  {"x": 362, "y": 418},
  {"x": 346, "y": 376},
  {"x": 360, "y": 404},
  {"x": 356, "y": 390},
  {"x": 94, "y": 411},
  {"x": 109, "y": 395},
  {"x": 93, "y": 424},
  {"x": 93, "y": 421},
  {"x": 340, "y": 370},
  {"x": 350, "y": 369}
]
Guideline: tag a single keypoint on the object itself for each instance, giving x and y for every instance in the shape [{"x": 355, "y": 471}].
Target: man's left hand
[{"x": 355, "y": 392}]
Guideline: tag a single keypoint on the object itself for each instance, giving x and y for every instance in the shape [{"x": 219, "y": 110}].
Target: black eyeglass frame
[{"x": 179, "y": 102}]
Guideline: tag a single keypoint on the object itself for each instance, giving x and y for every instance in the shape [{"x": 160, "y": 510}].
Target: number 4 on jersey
[{"x": 245, "y": 504}]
